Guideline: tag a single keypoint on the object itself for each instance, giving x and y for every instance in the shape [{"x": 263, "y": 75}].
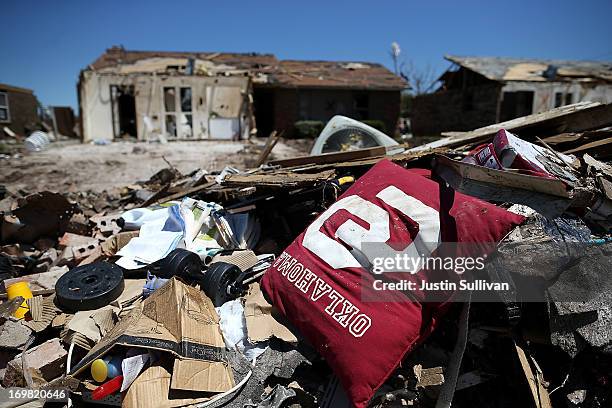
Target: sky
[{"x": 47, "y": 43}]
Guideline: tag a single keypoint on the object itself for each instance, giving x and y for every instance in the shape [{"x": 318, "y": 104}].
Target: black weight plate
[
  {"x": 89, "y": 287},
  {"x": 217, "y": 279},
  {"x": 181, "y": 263}
]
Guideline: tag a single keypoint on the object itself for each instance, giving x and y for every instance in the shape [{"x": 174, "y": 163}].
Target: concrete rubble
[{"x": 162, "y": 258}]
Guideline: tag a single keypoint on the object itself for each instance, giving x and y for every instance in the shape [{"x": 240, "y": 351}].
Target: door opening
[
  {"x": 263, "y": 103},
  {"x": 123, "y": 103}
]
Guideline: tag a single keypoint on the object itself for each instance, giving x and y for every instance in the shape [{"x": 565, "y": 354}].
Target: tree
[{"x": 420, "y": 80}]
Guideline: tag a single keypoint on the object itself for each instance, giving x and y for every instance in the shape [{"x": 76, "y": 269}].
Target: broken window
[
  {"x": 169, "y": 99},
  {"x": 516, "y": 104},
  {"x": 186, "y": 126},
  {"x": 178, "y": 109},
  {"x": 4, "y": 109},
  {"x": 170, "y": 126},
  {"x": 563, "y": 99},
  {"x": 185, "y": 99}
]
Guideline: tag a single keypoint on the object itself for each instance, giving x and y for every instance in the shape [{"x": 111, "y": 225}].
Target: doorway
[
  {"x": 123, "y": 103},
  {"x": 263, "y": 103}
]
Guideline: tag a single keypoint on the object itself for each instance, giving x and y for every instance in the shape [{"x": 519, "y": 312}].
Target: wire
[{"x": 68, "y": 364}]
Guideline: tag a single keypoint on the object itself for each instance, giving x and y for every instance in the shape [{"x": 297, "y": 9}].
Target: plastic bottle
[{"x": 20, "y": 289}]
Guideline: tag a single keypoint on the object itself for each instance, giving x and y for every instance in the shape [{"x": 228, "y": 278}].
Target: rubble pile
[{"x": 252, "y": 287}]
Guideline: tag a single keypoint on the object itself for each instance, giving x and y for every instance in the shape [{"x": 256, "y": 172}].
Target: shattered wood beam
[
  {"x": 547, "y": 196},
  {"x": 597, "y": 144},
  {"x": 571, "y": 118},
  {"x": 335, "y": 157},
  {"x": 270, "y": 143},
  {"x": 278, "y": 179},
  {"x": 534, "y": 378},
  {"x": 398, "y": 158}
]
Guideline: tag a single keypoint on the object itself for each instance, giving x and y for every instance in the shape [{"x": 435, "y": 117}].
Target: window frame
[
  {"x": 176, "y": 114},
  {"x": 8, "y": 110}
]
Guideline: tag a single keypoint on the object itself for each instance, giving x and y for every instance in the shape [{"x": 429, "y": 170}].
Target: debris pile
[{"x": 261, "y": 288}]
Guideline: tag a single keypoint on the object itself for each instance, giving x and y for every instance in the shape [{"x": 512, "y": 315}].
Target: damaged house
[
  {"x": 226, "y": 96},
  {"x": 478, "y": 91},
  {"x": 18, "y": 110}
]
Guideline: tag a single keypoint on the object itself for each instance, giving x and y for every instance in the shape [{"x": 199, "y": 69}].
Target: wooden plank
[
  {"x": 589, "y": 146},
  {"x": 506, "y": 178},
  {"x": 578, "y": 117},
  {"x": 335, "y": 157},
  {"x": 540, "y": 395},
  {"x": 366, "y": 162},
  {"x": 277, "y": 179},
  {"x": 270, "y": 143},
  {"x": 547, "y": 196},
  {"x": 563, "y": 138}
]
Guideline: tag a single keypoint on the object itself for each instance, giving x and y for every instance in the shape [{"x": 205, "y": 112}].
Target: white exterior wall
[
  {"x": 210, "y": 103},
  {"x": 544, "y": 92}
]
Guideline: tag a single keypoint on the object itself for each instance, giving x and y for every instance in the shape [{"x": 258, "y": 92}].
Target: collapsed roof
[
  {"x": 12, "y": 88},
  {"x": 265, "y": 69},
  {"x": 538, "y": 70}
]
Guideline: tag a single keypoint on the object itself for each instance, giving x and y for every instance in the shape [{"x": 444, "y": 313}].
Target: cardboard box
[
  {"x": 180, "y": 320},
  {"x": 152, "y": 389},
  {"x": 262, "y": 319}
]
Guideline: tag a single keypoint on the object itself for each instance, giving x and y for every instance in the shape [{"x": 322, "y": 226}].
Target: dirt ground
[{"x": 72, "y": 166}]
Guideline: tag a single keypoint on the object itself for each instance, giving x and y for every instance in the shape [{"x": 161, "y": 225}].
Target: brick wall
[
  {"x": 383, "y": 105},
  {"x": 22, "y": 111},
  {"x": 285, "y": 110},
  {"x": 454, "y": 110}
]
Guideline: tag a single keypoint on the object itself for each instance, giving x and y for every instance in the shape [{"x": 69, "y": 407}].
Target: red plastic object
[
  {"x": 108, "y": 388},
  {"x": 484, "y": 155}
]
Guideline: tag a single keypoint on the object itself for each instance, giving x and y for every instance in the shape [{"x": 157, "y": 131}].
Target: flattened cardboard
[
  {"x": 152, "y": 389},
  {"x": 242, "y": 259},
  {"x": 35, "y": 306},
  {"x": 196, "y": 375},
  {"x": 261, "y": 320},
  {"x": 177, "y": 319},
  {"x": 93, "y": 324},
  {"x": 132, "y": 290},
  {"x": 43, "y": 312}
]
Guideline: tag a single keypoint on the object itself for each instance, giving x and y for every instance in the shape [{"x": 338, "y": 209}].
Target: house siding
[
  {"x": 23, "y": 111},
  {"x": 292, "y": 105},
  {"x": 97, "y": 109},
  {"x": 456, "y": 109}
]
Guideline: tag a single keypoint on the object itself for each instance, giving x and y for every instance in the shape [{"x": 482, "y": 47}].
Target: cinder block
[{"x": 46, "y": 362}]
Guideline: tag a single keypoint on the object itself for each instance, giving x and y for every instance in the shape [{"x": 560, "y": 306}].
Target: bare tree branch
[{"x": 420, "y": 80}]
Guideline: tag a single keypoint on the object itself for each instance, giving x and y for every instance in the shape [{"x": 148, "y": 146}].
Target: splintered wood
[{"x": 278, "y": 179}]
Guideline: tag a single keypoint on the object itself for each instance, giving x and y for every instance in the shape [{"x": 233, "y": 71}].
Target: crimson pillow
[{"x": 319, "y": 285}]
